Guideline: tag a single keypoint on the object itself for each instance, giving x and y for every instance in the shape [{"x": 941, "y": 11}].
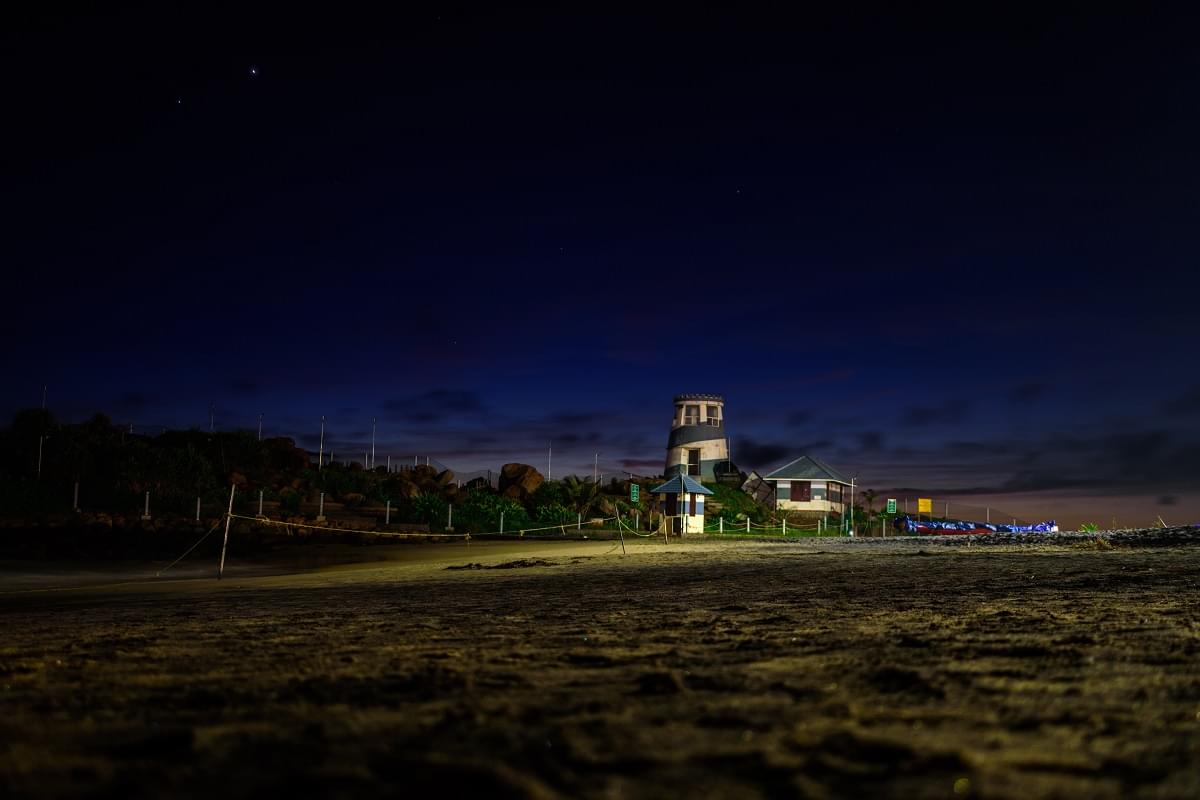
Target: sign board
[
  {"x": 634, "y": 492},
  {"x": 891, "y": 506},
  {"x": 924, "y": 505}
]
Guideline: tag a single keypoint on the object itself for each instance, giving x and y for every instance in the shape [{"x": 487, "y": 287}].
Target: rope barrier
[
  {"x": 264, "y": 521},
  {"x": 635, "y": 533},
  {"x": 188, "y": 551},
  {"x": 519, "y": 531}
]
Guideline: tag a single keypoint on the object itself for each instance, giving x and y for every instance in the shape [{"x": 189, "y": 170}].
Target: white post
[
  {"x": 321, "y": 450},
  {"x": 372, "y": 442},
  {"x": 595, "y": 467},
  {"x": 260, "y": 501},
  {"x": 549, "y": 454},
  {"x": 260, "y": 427},
  {"x": 947, "y": 509},
  {"x": 75, "y": 503},
  {"x": 228, "y": 519},
  {"x": 747, "y": 524},
  {"x": 721, "y": 523},
  {"x": 41, "y": 439},
  {"x": 850, "y": 521},
  {"x": 146, "y": 513},
  {"x": 637, "y": 517},
  {"x": 502, "y": 522},
  {"x": 449, "y": 517},
  {"x": 988, "y": 514},
  {"x": 389, "y": 464},
  {"x": 785, "y": 526},
  {"x": 579, "y": 522},
  {"x": 387, "y": 513},
  {"x": 197, "y": 509},
  {"x": 321, "y": 508}
]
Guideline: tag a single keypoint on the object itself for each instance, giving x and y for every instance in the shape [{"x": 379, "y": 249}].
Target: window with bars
[
  {"x": 693, "y": 462},
  {"x": 691, "y": 415},
  {"x": 714, "y": 416}
]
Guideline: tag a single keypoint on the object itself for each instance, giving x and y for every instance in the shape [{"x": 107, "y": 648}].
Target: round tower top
[{"x": 710, "y": 398}]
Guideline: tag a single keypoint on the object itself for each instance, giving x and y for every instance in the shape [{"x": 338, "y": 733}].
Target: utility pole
[
  {"x": 595, "y": 468},
  {"x": 212, "y": 418},
  {"x": 549, "y": 453},
  {"x": 372, "y": 442},
  {"x": 260, "y": 426},
  {"x": 321, "y": 447}
]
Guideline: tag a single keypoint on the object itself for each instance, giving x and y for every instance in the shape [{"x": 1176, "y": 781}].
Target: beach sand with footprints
[{"x": 911, "y": 668}]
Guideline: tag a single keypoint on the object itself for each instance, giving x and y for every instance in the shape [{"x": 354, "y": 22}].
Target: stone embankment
[{"x": 1128, "y": 537}]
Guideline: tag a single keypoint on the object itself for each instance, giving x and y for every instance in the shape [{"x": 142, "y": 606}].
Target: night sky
[{"x": 948, "y": 250}]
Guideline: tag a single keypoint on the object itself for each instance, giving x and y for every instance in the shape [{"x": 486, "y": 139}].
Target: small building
[
  {"x": 808, "y": 484},
  {"x": 683, "y": 502}
]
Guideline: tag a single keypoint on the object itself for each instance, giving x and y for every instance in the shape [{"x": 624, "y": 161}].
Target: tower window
[
  {"x": 691, "y": 415},
  {"x": 693, "y": 462},
  {"x": 714, "y": 416}
]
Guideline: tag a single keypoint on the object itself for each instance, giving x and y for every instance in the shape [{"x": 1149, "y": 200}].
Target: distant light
[{"x": 253, "y": 71}]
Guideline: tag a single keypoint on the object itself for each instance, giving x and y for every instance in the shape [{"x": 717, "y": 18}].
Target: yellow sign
[{"x": 924, "y": 505}]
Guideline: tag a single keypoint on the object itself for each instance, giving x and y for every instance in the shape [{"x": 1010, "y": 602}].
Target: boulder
[
  {"x": 519, "y": 481},
  {"x": 423, "y": 471}
]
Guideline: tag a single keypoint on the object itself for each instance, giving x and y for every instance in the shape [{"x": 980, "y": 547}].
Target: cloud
[
  {"x": 870, "y": 441},
  {"x": 1027, "y": 391},
  {"x": 434, "y": 406},
  {"x": 799, "y": 418},
  {"x": 1167, "y": 500},
  {"x": 1184, "y": 405},
  {"x": 952, "y": 411},
  {"x": 756, "y": 455},
  {"x": 655, "y": 464}
]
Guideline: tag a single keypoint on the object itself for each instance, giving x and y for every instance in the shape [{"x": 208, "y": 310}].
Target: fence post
[
  {"x": 747, "y": 524},
  {"x": 228, "y": 519},
  {"x": 197, "y": 509},
  {"x": 387, "y": 512},
  {"x": 637, "y": 517},
  {"x": 579, "y": 522},
  {"x": 785, "y": 526},
  {"x": 260, "y": 502},
  {"x": 988, "y": 514},
  {"x": 449, "y": 517},
  {"x": 75, "y": 502},
  {"x": 721, "y": 522},
  {"x": 947, "y": 509},
  {"x": 501, "y": 522},
  {"x": 321, "y": 508},
  {"x": 146, "y": 513}
]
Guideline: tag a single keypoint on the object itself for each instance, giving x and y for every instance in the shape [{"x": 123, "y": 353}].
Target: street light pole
[
  {"x": 852, "y": 504},
  {"x": 373, "y": 420},
  {"x": 321, "y": 449},
  {"x": 595, "y": 468}
]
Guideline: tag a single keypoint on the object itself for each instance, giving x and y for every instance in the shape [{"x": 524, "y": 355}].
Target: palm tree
[
  {"x": 583, "y": 494},
  {"x": 868, "y": 497}
]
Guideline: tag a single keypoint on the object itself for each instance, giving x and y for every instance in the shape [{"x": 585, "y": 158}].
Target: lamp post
[{"x": 852, "y": 479}]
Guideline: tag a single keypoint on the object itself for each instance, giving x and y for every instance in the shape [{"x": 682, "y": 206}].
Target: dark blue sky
[{"x": 951, "y": 249}]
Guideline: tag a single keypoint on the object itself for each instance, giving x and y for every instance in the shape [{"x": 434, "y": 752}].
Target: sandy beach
[{"x": 566, "y": 669}]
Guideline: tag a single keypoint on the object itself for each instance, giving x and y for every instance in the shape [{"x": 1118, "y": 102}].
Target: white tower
[{"x": 698, "y": 442}]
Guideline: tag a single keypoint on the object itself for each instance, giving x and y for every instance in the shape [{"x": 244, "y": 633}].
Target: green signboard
[
  {"x": 634, "y": 492},
  {"x": 891, "y": 505}
]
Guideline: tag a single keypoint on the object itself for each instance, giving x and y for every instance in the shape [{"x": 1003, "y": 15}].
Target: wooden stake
[{"x": 228, "y": 519}]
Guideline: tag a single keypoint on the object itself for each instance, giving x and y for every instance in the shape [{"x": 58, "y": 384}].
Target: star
[{"x": 253, "y": 71}]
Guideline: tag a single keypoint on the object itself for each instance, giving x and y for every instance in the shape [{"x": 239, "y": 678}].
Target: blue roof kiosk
[{"x": 683, "y": 503}]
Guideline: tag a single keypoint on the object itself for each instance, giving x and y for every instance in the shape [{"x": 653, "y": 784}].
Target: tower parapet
[{"x": 698, "y": 443}]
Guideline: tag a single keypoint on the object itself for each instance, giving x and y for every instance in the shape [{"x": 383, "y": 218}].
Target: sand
[{"x": 543, "y": 669}]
